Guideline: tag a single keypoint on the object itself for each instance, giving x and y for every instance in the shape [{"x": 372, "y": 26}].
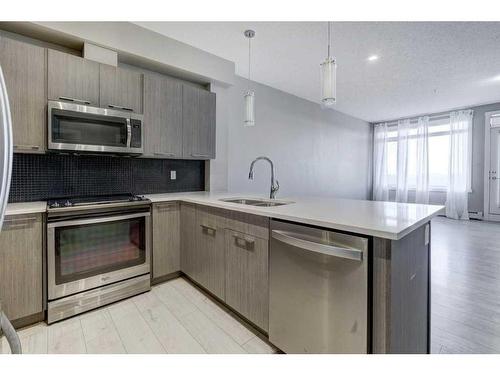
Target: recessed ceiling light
[
  {"x": 372, "y": 58},
  {"x": 496, "y": 78}
]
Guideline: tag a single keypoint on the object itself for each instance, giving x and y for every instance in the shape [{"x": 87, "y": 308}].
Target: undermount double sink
[{"x": 256, "y": 202}]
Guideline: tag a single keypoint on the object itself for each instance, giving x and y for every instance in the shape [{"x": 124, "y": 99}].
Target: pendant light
[
  {"x": 249, "y": 96},
  {"x": 328, "y": 70}
]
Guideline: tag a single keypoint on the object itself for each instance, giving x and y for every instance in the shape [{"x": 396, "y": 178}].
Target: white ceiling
[{"x": 423, "y": 67}]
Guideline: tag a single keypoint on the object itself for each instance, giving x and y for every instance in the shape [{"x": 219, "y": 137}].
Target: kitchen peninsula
[{"x": 398, "y": 255}]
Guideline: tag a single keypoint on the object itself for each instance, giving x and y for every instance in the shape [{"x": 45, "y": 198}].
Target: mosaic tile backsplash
[{"x": 41, "y": 177}]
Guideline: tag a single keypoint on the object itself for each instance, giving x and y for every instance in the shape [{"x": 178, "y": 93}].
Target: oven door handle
[
  {"x": 96, "y": 220},
  {"x": 129, "y": 133}
]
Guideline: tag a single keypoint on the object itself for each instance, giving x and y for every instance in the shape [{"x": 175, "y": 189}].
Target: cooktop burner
[{"x": 95, "y": 200}]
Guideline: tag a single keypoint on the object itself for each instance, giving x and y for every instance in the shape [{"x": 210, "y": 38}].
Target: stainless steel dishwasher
[{"x": 318, "y": 290}]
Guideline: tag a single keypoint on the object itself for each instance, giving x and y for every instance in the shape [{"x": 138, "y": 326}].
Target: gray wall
[{"x": 316, "y": 151}]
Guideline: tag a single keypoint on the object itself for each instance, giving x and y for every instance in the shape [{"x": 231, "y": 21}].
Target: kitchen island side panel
[{"x": 401, "y": 293}]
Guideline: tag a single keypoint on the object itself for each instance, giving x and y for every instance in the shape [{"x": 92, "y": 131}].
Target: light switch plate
[{"x": 173, "y": 175}]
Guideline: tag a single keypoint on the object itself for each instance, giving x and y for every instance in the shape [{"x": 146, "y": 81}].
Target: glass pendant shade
[
  {"x": 328, "y": 82},
  {"x": 249, "y": 108}
]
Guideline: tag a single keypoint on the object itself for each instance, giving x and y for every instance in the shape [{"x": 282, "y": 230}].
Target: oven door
[
  {"x": 87, "y": 253},
  {"x": 76, "y": 127}
]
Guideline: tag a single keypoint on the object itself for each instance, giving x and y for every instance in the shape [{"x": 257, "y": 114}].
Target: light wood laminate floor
[{"x": 175, "y": 317}]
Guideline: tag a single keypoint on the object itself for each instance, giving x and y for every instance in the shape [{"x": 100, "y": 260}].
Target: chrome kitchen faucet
[{"x": 275, "y": 186}]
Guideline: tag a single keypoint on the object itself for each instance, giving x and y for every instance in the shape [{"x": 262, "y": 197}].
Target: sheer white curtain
[
  {"x": 402, "y": 161},
  {"x": 422, "y": 161},
  {"x": 459, "y": 165},
  {"x": 380, "y": 186}
]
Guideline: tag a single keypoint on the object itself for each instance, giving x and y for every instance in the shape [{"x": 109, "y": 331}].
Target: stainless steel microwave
[{"x": 82, "y": 128}]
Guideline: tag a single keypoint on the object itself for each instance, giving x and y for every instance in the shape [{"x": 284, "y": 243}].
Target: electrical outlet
[{"x": 173, "y": 175}]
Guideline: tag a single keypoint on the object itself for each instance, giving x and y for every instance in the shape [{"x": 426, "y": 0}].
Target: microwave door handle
[{"x": 129, "y": 133}]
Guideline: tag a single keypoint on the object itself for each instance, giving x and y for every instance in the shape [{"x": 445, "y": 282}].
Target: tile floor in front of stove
[{"x": 174, "y": 317}]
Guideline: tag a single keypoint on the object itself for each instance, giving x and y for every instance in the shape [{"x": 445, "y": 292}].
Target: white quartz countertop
[
  {"x": 26, "y": 208},
  {"x": 389, "y": 220}
]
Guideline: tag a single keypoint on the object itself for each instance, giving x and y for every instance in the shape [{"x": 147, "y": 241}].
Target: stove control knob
[{"x": 67, "y": 204}]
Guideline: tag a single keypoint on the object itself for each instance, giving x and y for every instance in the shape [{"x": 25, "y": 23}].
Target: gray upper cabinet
[
  {"x": 121, "y": 88},
  {"x": 198, "y": 117},
  {"x": 162, "y": 116},
  {"x": 24, "y": 68},
  {"x": 72, "y": 77},
  {"x": 21, "y": 266}
]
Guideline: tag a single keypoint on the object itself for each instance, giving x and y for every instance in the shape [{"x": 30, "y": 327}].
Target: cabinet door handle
[
  {"x": 114, "y": 106},
  {"x": 74, "y": 100},
  {"x": 16, "y": 220},
  {"x": 166, "y": 206},
  {"x": 200, "y": 156},
  {"x": 243, "y": 241},
  {"x": 26, "y": 147},
  {"x": 12, "y": 223},
  {"x": 164, "y": 153},
  {"x": 208, "y": 228}
]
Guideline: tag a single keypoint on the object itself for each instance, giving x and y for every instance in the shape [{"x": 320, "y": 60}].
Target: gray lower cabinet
[
  {"x": 72, "y": 78},
  {"x": 162, "y": 116},
  {"x": 24, "y": 68},
  {"x": 190, "y": 261},
  {"x": 166, "y": 239},
  {"x": 21, "y": 266},
  {"x": 198, "y": 117},
  {"x": 120, "y": 88},
  {"x": 247, "y": 289},
  {"x": 227, "y": 253},
  {"x": 202, "y": 247},
  {"x": 209, "y": 232}
]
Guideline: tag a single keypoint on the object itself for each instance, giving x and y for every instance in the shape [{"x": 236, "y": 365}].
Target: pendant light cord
[
  {"x": 249, "y": 54},
  {"x": 329, "y": 39}
]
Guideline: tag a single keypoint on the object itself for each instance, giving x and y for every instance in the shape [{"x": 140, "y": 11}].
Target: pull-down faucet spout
[{"x": 274, "y": 182}]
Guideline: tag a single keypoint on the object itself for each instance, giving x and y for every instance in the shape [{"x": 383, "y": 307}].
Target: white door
[{"x": 494, "y": 170}]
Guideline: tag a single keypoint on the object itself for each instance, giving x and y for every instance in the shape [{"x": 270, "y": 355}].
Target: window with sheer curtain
[
  {"x": 423, "y": 155},
  {"x": 439, "y": 131}
]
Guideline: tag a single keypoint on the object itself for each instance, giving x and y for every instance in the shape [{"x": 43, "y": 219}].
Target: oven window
[
  {"x": 87, "y": 129},
  {"x": 87, "y": 250}
]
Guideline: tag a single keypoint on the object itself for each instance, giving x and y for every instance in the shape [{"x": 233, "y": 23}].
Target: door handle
[
  {"x": 316, "y": 247},
  {"x": 22, "y": 219},
  {"x": 114, "y": 106},
  {"x": 243, "y": 241},
  {"x": 169, "y": 206},
  {"x": 129, "y": 133},
  {"x": 208, "y": 229},
  {"x": 74, "y": 100},
  {"x": 200, "y": 156},
  {"x": 26, "y": 147}
]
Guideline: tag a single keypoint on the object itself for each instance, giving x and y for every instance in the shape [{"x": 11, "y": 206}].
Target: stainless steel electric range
[{"x": 98, "y": 252}]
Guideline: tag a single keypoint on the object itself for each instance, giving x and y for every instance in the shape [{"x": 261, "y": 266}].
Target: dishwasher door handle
[{"x": 317, "y": 247}]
